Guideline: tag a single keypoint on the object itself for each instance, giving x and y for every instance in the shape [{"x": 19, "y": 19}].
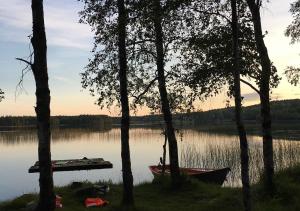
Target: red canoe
[{"x": 216, "y": 176}]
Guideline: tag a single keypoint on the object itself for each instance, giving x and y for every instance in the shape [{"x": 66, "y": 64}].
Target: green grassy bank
[{"x": 191, "y": 196}]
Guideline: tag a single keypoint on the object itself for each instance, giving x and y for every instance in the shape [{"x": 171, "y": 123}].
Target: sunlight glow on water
[{"x": 18, "y": 151}]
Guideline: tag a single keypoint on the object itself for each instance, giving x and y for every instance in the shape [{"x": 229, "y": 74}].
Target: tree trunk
[
  {"x": 125, "y": 151},
  {"x": 42, "y": 109},
  {"x": 264, "y": 97},
  {"x": 163, "y": 159},
  {"x": 173, "y": 151},
  {"x": 238, "y": 111}
]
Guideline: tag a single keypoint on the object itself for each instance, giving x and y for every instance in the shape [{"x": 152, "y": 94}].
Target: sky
[{"x": 69, "y": 45}]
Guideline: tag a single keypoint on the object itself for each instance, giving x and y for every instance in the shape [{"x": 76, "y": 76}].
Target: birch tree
[{"x": 42, "y": 109}]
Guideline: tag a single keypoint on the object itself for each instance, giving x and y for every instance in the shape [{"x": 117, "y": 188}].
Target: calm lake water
[{"x": 18, "y": 151}]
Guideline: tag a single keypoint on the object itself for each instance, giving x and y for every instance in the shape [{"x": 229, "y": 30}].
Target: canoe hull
[{"x": 215, "y": 176}]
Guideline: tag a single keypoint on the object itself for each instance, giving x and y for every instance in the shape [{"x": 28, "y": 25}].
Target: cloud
[
  {"x": 277, "y": 96},
  {"x": 62, "y": 79},
  {"x": 251, "y": 96},
  {"x": 15, "y": 13},
  {"x": 61, "y": 22}
]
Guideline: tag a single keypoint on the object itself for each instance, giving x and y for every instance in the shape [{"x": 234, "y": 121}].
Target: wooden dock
[{"x": 75, "y": 165}]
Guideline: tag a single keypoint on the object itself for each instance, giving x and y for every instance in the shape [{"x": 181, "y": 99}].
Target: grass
[
  {"x": 287, "y": 192},
  {"x": 155, "y": 196},
  {"x": 193, "y": 195}
]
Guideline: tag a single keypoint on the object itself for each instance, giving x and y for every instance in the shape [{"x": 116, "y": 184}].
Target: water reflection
[{"x": 19, "y": 151}]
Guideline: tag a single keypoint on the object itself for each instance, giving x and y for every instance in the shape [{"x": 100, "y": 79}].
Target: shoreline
[{"x": 193, "y": 195}]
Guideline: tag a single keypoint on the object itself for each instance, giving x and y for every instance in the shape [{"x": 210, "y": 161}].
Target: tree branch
[
  {"x": 252, "y": 76},
  {"x": 250, "y": 85},
  {"x": 25, "y": 61},
  {"x": 139, "y": 42},
  {"x": 144, "y": 50},
  {"x": 25, "y": 70},
  {"x": 213, "y": 13},
  {"x": 137, "y": 98}
]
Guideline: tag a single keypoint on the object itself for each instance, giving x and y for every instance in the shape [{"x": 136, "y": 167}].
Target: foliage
[
  {"x": 197, "y": 42},
  {"x": 100, "y": 75},
  {"x": 293, "y": 30},
  {"x": 175, "y": 15},
  {"x": 1, "y": 95},
  {"x": 207, "y": 54},
  {"x": 102, "y": 71},
  {"x": 293, "y": 75}
]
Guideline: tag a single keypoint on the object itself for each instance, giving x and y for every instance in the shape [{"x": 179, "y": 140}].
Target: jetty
[{"x": 75, "y": 165}]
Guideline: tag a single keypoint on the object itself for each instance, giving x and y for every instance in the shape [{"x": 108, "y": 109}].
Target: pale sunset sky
[{"x": 69, "y": 45}]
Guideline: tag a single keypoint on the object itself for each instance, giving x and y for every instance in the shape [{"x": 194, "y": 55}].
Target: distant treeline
[
  {"x": 81, "y": 121},
  {"x": 282, "y": 111},
  {"x": 286, "y": 110}
]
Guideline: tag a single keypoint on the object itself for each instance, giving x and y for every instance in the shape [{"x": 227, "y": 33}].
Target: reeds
[{"x": 224, "y": 154}]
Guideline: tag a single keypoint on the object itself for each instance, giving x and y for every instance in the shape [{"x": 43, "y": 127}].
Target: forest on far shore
[
  {"x": 284, "y": 111},
  {"x": 287, "y": 111}
]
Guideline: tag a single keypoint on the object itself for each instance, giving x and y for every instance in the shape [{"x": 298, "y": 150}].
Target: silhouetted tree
[
  {"x": 42, "y": 109},
  {"x": 107, "y": 72},
  {"x": 264, "y": 87},
  {"x": 141, "y": 55},
  {"x": 39, "y": 69},
  {"x": 238, "y": 109},
  {"x": 206, "y": 56},
  {"x": 125, "y": 152},
  {"x": 173, "y": 150},
  {"x": 293, "y": 31}
]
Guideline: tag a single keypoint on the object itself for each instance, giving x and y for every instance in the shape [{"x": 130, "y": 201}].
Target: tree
[
  {"x": 125, "y": 152},
  {"x": 173, "y": 151},
  {"x": 207, "y": 57},
  {"x": 141, "y": 55},
  {"x": 293, "y": 31},
  {"x": 107, "y": 73},
  {"x": 238, "y": 109},
  {"x": 264, "y": 86},
  {"x": 42, "y": 109}
]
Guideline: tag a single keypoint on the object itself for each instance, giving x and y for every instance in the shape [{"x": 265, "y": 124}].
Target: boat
[
  {"x": 74, "y": 165},
  {"x": 215, "y": 176}
]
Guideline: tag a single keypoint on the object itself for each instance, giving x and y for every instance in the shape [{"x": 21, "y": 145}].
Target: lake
[{"x": 18, "y": 151}]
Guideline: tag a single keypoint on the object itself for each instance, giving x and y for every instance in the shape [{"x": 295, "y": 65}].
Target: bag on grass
[{"x": 95, "y": 202}]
